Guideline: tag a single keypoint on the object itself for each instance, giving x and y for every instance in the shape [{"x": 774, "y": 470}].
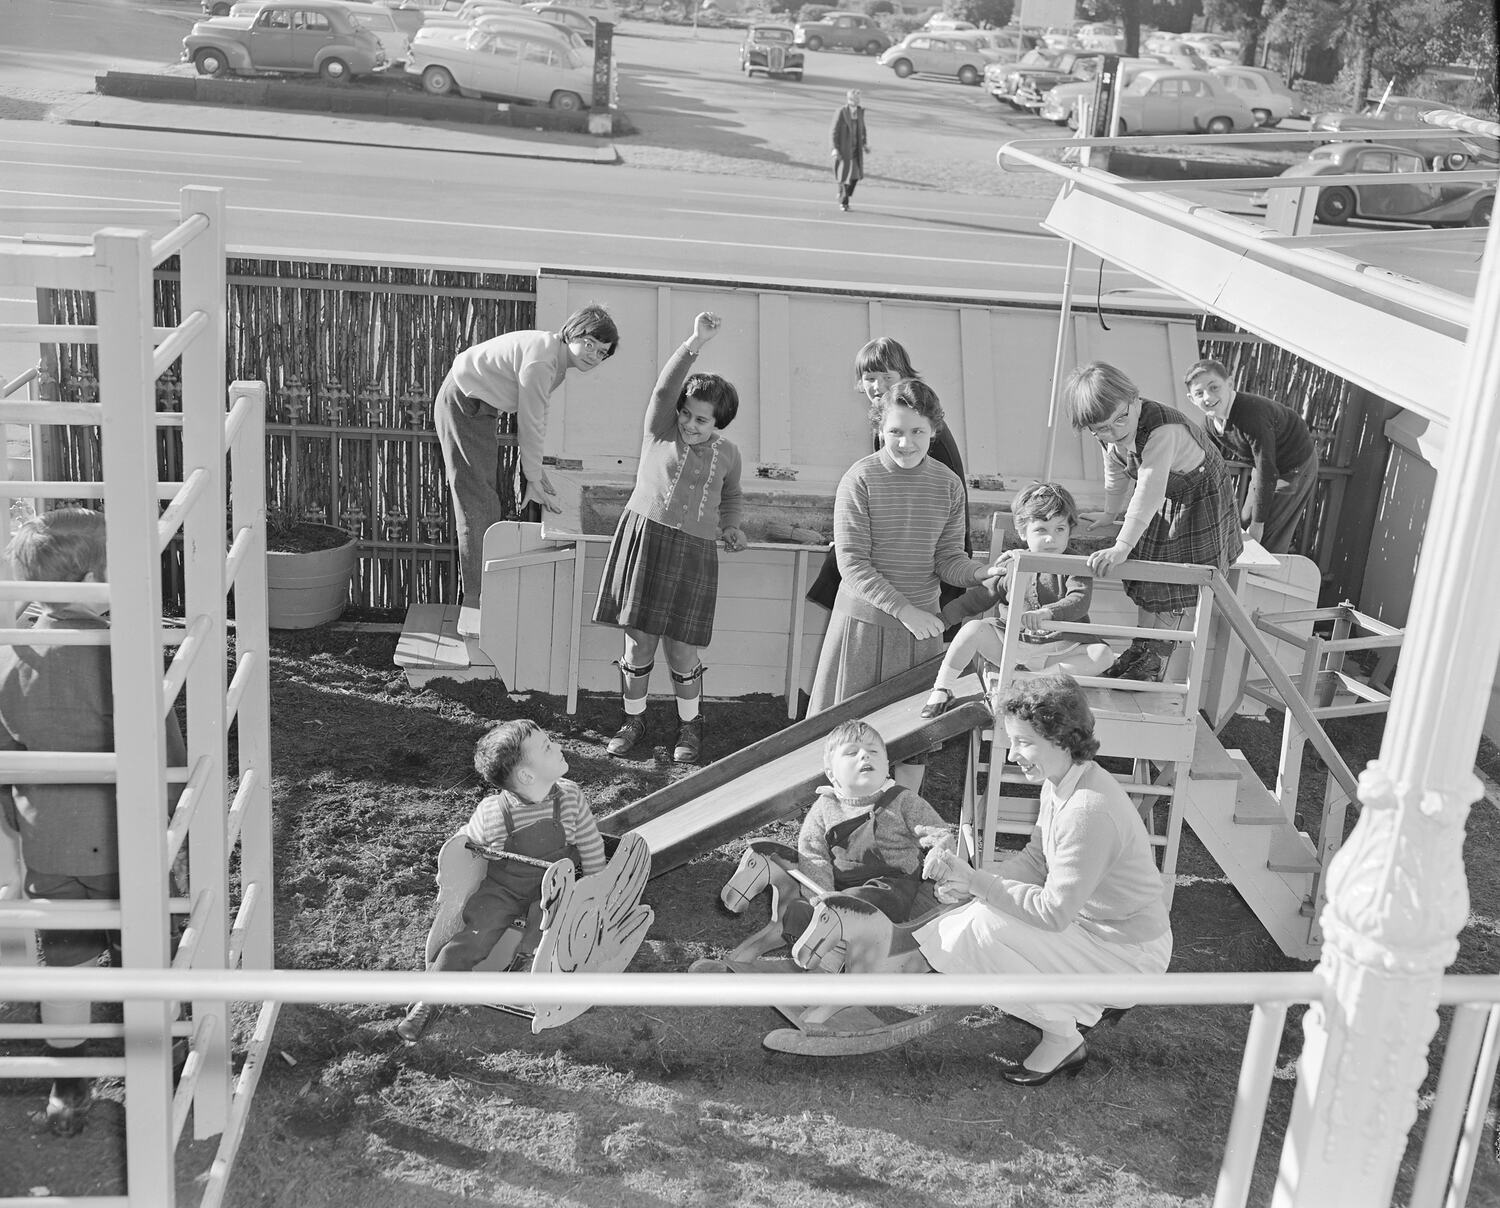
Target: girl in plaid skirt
[
  {"x": 661, "y": 577},
  {"x": 1166, "y": 476}
]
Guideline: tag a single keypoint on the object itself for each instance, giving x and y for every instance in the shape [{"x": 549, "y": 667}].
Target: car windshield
[
  {"x": 771, "y": 35},
  {"x": 374, "y": 20}
]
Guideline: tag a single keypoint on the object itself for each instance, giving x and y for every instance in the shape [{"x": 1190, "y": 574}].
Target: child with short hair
[
  {"x": 1164, "y": 474},
  {"x": 1045, "y": 515},
  {"x": 532, "y": 814},
  {"x": 661, "y": 576},
  {"x": 863, "y": 834},
  {"x": 61, "y": 698},
  {"x": 1273, "y": 438},
  {"x": 878, "y": 365}
]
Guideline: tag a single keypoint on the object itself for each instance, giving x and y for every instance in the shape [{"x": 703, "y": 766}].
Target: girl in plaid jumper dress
[
  {"x": 1166, "y": 476},
  {"x": 661, "y": 577}
]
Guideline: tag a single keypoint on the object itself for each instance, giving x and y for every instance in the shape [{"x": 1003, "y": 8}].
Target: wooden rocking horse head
[
  {"x": 845, "y": 935},
  {"x": 762, "y": 867}
]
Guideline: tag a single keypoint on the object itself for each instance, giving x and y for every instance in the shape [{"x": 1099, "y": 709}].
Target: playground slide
[{"x": 778, "y": 775}]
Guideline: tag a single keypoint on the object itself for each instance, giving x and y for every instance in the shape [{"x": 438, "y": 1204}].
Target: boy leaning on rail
[{"x": 61, "y": 698}]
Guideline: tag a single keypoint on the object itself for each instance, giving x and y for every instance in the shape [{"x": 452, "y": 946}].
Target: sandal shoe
[
  {"x": 628, "y": 735},
  {"x": 935, "y": 707}
]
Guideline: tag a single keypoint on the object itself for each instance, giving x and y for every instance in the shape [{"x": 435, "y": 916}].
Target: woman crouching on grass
[{"x": 1083, "y": 896}]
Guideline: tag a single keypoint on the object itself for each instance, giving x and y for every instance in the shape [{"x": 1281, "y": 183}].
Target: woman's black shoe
[
  {"x": 936, "y": 708},
  {"x": 1108, "y": 1018},
  {"x": 1019, "y": 1074}
]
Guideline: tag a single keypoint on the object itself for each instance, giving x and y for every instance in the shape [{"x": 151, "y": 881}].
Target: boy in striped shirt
[{"x": 532, "y": 818}]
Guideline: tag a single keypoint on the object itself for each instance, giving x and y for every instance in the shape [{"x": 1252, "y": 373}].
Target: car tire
[
  {"x": 219, "y": 10},
  {"x": 902, "y": 67},
  {"x": 1454, "y": 161},
  {"x": 438, "y": 81},
  {"x": 815, "y": 43},
  {"x": 210, "y": 62},
  {"x": 967, "y": 75},
  {"x": 1272, "y": 122},
  {"x": 1262, "y": 117},
  {"x": 1220, "y": 125},
  {"x": 335, "y": 71},
  {"x": 797, "y": 76},
  {"x": 567, "y": 102},
  {"x": 1335, "y": 205},
  {"x": 1480, "y": 215},
  {"x": 873, "y": 48}
]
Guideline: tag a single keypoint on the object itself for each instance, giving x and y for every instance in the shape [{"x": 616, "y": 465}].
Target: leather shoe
[
  {"x": 936, "y": 708},
  {"x": 1108, "y": 1018},
  {"x": 1019, "y": 1074}
]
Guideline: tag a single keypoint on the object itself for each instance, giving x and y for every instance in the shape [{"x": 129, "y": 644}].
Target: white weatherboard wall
[{"x": 790, "y": 355}]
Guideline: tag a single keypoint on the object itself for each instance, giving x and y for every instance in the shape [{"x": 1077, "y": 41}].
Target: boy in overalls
[
  {"x": 533, "y": 818},
  {"x": 862, "y": 835}
]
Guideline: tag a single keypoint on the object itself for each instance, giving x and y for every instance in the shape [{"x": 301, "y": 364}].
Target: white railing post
[
  {"x": 252, "y": 642},
  {"x": 1397, "y": 893},
  {"x": 127, "y": 389},
  {"x": 202, "y": 290}
]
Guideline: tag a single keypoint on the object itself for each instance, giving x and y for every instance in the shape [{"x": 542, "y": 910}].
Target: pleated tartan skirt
[{"x": 659, "y": 580}]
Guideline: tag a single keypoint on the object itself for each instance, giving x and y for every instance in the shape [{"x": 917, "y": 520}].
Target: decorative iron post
[
  {"x": 1397, "y": 890},
  {"x": 601, "y": 115}
]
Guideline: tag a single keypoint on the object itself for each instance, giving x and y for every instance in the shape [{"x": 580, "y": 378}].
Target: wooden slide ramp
[{"x": 778, "y": 775}]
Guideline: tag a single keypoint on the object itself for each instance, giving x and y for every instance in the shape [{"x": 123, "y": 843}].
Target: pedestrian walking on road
[{"x": 849, "y": 146}]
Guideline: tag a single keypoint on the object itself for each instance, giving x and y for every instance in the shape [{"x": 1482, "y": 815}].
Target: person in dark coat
[{"x": 849, "y": 146}]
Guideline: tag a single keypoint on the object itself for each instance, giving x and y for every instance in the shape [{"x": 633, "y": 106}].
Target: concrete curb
[{"x": 309, "y": 97}]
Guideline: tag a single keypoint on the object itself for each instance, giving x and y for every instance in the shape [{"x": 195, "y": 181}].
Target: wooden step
[
  {"x": 430, "y": 647},
  {"x": 1292, "y": 851},
  {"x": 1210, "y": 760},
  {"x": 1254, "y": 804}
]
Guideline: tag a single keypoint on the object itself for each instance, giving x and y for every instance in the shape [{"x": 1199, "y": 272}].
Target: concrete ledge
[{"x": 378, "y": 98}]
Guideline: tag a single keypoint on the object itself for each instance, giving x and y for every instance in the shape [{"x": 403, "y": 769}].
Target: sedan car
[
  {"x": 516, "y": 63},
  {"x": 1169, "y": 101},
  {"x": 313, "y": 37},
  {"x": 1426, "y": 200},
  {"x": 1022, "y": 85},
  {"x": 842, "y": 31},
  {"x": 1060, "y": 103},
  {"x": 569, "y": 19},
  {"x": 769, "y": 49},
  {"x": 1267, "y": 94},
  {"x": 1405, "y": 113},
  {"x": 939, "y": 54}
]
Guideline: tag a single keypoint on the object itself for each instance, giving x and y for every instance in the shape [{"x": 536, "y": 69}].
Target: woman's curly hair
[{"x": 1056, "y": 708}]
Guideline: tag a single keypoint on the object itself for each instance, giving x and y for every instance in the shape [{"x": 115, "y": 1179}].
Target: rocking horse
[
  {"x": 845, "y": 935},
  {"x": 591, "y": 924}
]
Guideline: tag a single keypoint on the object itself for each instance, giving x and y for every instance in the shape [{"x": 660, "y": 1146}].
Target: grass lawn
[{"x": 651, "y": 1107}]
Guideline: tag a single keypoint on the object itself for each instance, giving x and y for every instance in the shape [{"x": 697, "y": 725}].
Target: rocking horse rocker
[{"x": 845, "y": 934}]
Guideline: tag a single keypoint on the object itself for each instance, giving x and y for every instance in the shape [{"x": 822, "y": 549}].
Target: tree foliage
[{"x": 981, "y": 12}]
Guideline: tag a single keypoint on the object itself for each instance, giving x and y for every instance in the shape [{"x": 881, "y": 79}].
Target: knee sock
[
  {"x": 634, "y": 684},
  {"x": 689, "y": 690},
  {"x": 64, "y": 1014}
]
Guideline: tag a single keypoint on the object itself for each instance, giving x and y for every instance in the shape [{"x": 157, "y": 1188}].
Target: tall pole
[{"x": 1397, "y": 890}]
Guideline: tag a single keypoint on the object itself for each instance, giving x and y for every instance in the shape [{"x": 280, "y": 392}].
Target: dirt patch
[{"x": 657, "y": 1106}]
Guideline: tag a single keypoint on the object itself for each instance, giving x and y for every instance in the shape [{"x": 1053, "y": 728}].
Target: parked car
[
  {"x": 944, "y": 22},
  {"x": 768, "y": 48},
  {"x": 1444, "y": 149},
  {"x": 1165, "y": 100},
  {"x": 310, "y": 37},
  {"x": 381, "y": 22},
  {"x": 999, "y": 45},
  {"x": 525, "y": 21},
  {"x": 936, "y": 54},
  {"x": 1022, "y": 85},
  {"x": 569, "y": 19},
  {"x": 842, "y": 31},
  {"x": 1060, "y": 102},
  {"x": 1265, "y": 92},
  {"x": 518, "y": 64},
  {"x": 1426, "y": 200},
  {"x": 598, "y": 10}
]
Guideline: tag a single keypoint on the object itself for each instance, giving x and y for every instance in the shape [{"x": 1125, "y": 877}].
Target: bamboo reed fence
[{"x": 352, "y": 356}]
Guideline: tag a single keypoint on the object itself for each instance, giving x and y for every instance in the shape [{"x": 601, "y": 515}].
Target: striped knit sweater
[
  {"x": 486, "y": 826},
  {"x": 899, "y": 533}
]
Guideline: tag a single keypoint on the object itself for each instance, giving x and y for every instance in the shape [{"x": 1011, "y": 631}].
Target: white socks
[{"x": 1056, "y": 1047}]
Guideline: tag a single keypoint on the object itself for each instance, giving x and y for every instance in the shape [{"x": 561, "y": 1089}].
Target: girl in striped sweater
[{"x": 898, "y": 526}]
